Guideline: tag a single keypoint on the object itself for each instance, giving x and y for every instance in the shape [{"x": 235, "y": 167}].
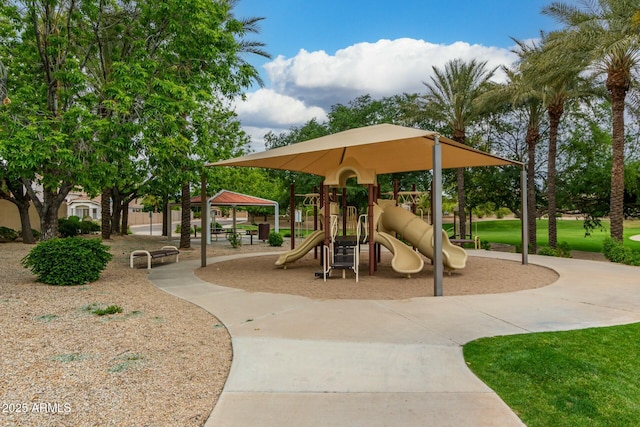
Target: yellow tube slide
[{"x": 309, "y": 242}]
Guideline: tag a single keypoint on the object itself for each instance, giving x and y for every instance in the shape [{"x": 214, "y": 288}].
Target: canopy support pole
[
  {"x": 204, "y": 215},
  {"x": 524, "y": 217},
  {"x": 437, "y": 218},
  {"x": 372, "y": 251}
]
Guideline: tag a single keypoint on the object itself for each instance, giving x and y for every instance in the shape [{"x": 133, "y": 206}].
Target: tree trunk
[
  {"x": 25, "y": 222},
  {"x": 165, "y": 215},
  {"x": 20, "y": 198},
  {"x": 459, "y": 135},
  {"x": 462, "y": 203},
  {"x": 124, "y": 228},
  {"x": 49, "y": 207},
  {"x": 116, "y": 210},
  {"x": 555, "y": 111},
  {"x": 185, "y": 225},
  {"x": 532, "y": 137},
  {"x": 105, "y": 212},
  {"x": 617, "y": 85}
]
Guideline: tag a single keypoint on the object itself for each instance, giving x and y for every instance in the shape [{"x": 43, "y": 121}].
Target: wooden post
[{"x": 315, "y": 222}]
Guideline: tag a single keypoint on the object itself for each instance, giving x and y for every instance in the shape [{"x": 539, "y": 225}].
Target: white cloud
[
  {"x": 306, "y": 86},
  {"x": 384, "y": 68},
  {"x": 268, "y": 107}
]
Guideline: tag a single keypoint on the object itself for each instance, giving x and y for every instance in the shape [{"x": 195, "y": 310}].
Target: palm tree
[
  {"x": 607, "y": 34},
  {"x": 452, "y": 97},
  {"x": 558, "y": 85}
]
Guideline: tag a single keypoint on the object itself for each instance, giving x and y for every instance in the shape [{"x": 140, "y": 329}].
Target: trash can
[{"x": 263, "y": 231}]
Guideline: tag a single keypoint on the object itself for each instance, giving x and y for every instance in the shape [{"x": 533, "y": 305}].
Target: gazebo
[
  {"x": 233, "y": 200},
  {"x": 369, "y": 151}
]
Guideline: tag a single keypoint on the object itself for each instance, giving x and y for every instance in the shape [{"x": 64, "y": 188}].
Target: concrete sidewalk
[{"x": 303, "y": 362}]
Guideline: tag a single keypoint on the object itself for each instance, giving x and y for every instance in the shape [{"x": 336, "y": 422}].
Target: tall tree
[
  {"x": 452, "y": 97},
  {"x": 558, "y": 85},
  {"x": 606, "y": 33}
]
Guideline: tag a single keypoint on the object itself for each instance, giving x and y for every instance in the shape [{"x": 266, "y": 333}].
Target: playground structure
[
  {"x": 365, "y": 153},
  {"x": 389, "y": 222}
]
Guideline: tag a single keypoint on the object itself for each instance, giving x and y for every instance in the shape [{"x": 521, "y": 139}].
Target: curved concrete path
[{"x": 304, "y": 362}]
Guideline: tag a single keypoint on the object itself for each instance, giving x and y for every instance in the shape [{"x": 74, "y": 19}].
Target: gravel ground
[{"x": 161, "y": 362}]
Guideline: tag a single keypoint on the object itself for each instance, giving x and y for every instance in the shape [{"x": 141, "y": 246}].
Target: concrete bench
[{"x": 161, "y": 253}]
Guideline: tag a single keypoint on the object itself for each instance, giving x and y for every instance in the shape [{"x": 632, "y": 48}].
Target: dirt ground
[{"x": 480, "y": 276}]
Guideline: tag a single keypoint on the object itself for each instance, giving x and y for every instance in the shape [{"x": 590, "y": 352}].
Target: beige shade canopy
[{"x": 380, "y": 149}]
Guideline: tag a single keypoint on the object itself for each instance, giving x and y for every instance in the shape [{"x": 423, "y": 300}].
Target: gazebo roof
[{"x": 231, "y": 198}]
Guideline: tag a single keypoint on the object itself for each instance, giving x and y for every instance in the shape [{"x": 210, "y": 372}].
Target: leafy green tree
[
  {"x": 452, "y": 97},
  {"x": 606, "y": 35}
]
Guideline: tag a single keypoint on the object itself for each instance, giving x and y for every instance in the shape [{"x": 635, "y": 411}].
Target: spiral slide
[
  {"x": 420, "y": 235},
  {"x": 309, "y": 242}
]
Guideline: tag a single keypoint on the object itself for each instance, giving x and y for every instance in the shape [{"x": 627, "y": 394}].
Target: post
[
  {"x": 344, "y": 211},
  {"x": 292, "y": 215},
  {"x": 524, "y": 218},
  {"x": 437, "y": 218},
  {"x": 372, "y": 255},
  {"x": 315, "y": 222},
  {"x": 203, "y": 219}
]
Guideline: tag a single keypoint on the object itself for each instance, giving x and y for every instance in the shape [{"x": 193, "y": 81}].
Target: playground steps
[{"x": 344, "y": 253}]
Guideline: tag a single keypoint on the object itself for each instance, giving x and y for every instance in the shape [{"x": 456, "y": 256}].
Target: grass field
[
  {"x": 578, "y": 378},
  {"x": 569, "y": 230}
]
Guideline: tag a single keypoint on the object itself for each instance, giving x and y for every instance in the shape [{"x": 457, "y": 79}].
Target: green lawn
[
  {"x": 569, "y": 230},
  {"x": 577, "y": 378}
]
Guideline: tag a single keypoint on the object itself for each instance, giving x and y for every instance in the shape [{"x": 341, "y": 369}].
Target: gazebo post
[
  {"x": 524, "y": 217},
  {"x": 437, "y": 218},
  {"x": 204, "y": 214},
  {"x": 372, "y": 254}
]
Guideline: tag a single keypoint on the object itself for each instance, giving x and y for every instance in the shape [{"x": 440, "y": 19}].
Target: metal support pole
[
  {"x": 437, "y": 218},
  {"x": 524, "y": 217},
  {"x": 204, "y": 214},
  {"x": 292, "y": 215},
  {"x": 372, "y": 255}
]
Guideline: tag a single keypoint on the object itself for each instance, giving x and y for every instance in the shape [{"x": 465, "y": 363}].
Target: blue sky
[{"x": 330, "y": 51}]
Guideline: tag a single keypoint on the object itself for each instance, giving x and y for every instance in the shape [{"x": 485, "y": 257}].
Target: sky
[{"x": 326, "y": 52}]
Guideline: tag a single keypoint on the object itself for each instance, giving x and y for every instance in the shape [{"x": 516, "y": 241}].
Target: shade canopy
[{"x": 379, "y": 149}]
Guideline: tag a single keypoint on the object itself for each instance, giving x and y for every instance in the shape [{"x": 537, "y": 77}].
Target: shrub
[
  {"x": 88, "y": 227},
  {"x": 484, "y": 244},
  {"x": 7, "y": 234},
  {"x": 615, "y": 251},
  {"x": 547, "y": 251},
  {"x": 69, "y": 227},
  {"x": 36, "y": 234},
  {"x": 71, "y": 261},
  {"x": 275, "y": 239},
  {"x": 235, "y": 239},
  {"x": 563, "y": 250},
  {"x": 112, "y": 309}
]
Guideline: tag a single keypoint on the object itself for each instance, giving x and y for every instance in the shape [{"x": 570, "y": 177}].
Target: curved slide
[
  {"x": 405, "y": 260},
  {"x": 420, "y": 235},
  {"x": 309, "y": 242}
]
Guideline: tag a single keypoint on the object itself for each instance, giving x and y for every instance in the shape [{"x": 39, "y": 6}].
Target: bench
[
  {"x": 252, "y": 233},
  {"x": 475, "y": 241},
  {"x": 161, "y": 253},
  {"x": 216, "y": 231}
]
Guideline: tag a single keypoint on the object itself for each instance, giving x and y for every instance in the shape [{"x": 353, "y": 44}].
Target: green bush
[
  {"x": 562, "y": 250},
  {"x": 275, "y": 239},
  {"x": 616, "y": 252},
  {"x": 7, "y": 234},
  {"x": 235, "y": 239},
  {"x": 67, "y": 262},
  {"x": 88, "y": 227},
  {"x": 547, "y": 251},
  {"x": 69, "y": 227},
  {"x": 36, "y": 234},
  {"x": 484, "y": 244}
]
